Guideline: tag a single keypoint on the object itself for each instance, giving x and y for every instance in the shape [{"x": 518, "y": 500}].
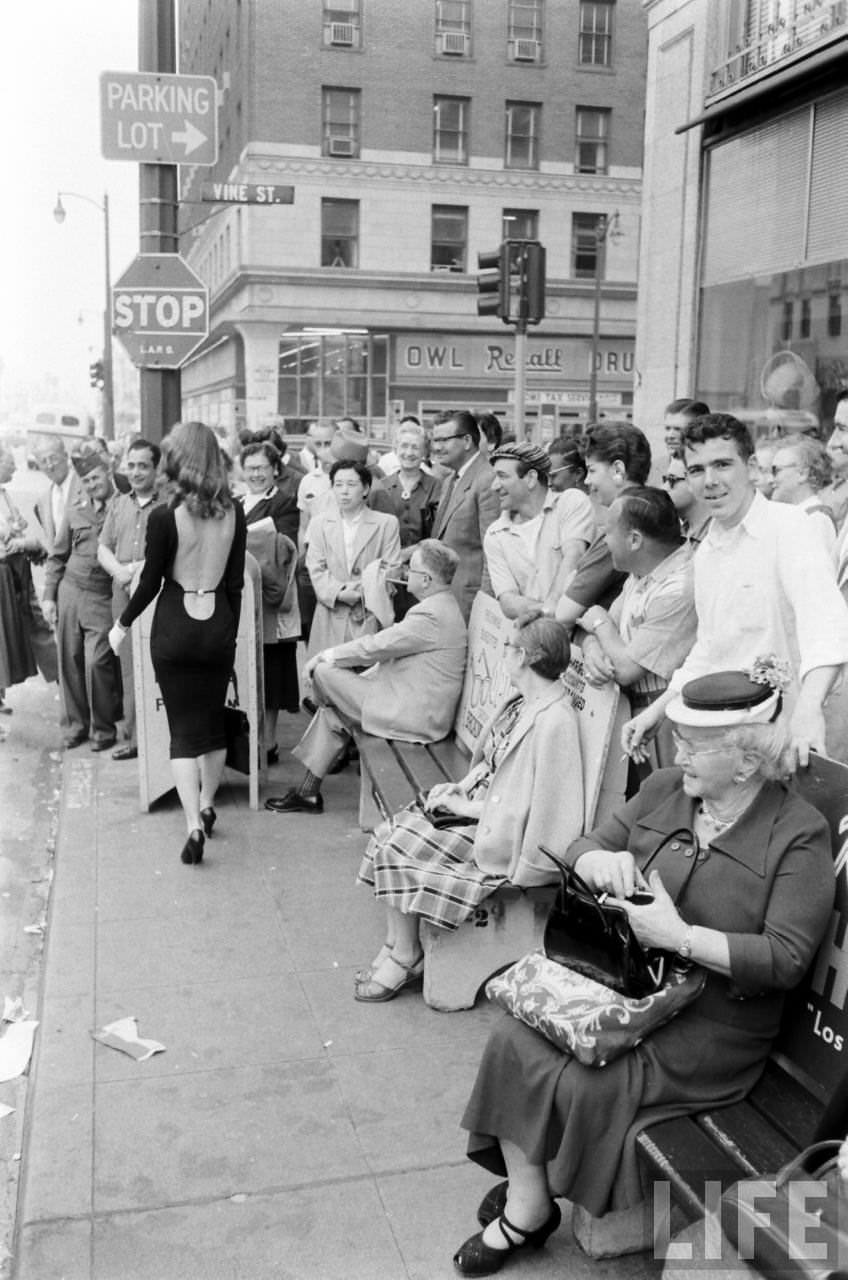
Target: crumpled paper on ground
[
  {"x": 123, "y": 1035},
  {"x": 15, "y": 1049}
]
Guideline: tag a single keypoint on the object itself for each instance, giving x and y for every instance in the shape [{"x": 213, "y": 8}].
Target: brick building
[
  {"x": 743, "y": 284},
  {"x": 415, "y": 134}
]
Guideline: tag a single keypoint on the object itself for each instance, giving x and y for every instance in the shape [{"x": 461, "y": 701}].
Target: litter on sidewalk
[
  {"x": 15, "y": 1049},
  {"x": 123, "y": 1035}
]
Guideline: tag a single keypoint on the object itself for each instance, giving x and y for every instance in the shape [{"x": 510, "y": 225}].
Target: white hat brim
[{"x": 727, "y": 717}]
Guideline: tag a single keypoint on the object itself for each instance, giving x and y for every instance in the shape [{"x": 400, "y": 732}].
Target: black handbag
[
  {"x": 794, "y": 1226},
  {"x": 594, "y": 937},
  {"x": 237, "y": 730}
]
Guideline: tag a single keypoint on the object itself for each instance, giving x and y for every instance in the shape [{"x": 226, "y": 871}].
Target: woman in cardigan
[
  {"x": 752, "y": 913},
  {"x": 440, "y": 873}
]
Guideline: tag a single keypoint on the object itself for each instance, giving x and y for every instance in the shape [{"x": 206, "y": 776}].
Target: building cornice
[{"x": 257, "y": 165}]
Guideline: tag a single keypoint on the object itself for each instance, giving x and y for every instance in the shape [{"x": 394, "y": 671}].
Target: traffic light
[
  {"x": 97, "y": 375},
  {"x": 533, "y": 283},
  {"x": 493, "y": 283}
]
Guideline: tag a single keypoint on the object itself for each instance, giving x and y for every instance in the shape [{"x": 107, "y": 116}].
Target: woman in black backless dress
[{"x": 195, "y": 552}]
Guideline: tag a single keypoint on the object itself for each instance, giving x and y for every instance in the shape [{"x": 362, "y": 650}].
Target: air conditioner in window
[
  {"x": 341, "y": 147},
  {"x": 454, "y": 42},
  {"x": 343, "y": 33},
  {"x": 527, "y": 51}
]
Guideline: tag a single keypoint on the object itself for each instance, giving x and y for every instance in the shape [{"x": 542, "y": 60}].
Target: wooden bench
[
  {"x": 689, "y": 1160},
  {"x": 510, "y": 922}
]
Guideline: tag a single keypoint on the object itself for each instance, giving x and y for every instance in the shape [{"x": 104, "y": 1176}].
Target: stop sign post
[{"x": 160, "y": 310}]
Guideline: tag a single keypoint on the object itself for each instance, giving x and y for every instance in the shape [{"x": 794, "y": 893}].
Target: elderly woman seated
[
  {"x": 436, "y": 862},
  {"x": 752, "y": 913}
]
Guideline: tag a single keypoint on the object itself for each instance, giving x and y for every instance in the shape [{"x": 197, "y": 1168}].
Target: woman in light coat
[{"x": 343, "y": 540}]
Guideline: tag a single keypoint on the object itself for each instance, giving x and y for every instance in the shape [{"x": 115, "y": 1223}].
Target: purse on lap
[{"x": 594, "y": 990}]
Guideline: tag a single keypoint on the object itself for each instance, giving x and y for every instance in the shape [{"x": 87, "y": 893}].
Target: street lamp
[
  {"x": 108, "y": 385},
  {"x": 606, "y": 228}
]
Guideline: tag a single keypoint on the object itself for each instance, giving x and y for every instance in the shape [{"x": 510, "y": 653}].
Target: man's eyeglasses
[
  {"x": 438, "y": 440},
  {"x": 787, "y": 466},
  {"x": 566, "y": 466},
  {"x": 673, "y": 481}
]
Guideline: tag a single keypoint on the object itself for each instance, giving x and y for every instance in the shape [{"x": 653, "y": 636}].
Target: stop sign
[{"x": 160, "y": 310}]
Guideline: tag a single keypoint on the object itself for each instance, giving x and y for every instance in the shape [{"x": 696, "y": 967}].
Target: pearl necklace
[{"x": 714, "y": 820}]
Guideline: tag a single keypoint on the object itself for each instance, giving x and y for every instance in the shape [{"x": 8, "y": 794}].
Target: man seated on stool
[{"x": 414, "y": 694}]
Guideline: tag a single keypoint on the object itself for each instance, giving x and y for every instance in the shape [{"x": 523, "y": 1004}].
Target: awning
[{"x": 780, "y": 78}]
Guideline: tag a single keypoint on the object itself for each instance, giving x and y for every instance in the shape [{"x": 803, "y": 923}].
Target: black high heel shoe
[
  {"x": 208, "y": 817},
  {"x": 193, "y": 848},
  {"x": 476, "y": 1258},
  {"x": 493, "y": 1204}
]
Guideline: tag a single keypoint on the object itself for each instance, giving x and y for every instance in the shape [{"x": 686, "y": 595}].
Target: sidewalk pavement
[{"x": 287, "y": 1133}]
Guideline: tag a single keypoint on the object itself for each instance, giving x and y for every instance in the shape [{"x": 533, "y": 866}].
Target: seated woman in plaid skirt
[{"x": 524, "y": 788}]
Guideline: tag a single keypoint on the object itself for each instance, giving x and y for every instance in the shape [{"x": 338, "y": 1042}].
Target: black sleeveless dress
[{"x": 192, "y": 658}]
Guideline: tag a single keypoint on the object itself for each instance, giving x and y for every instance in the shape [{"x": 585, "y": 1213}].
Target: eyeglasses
[
  {"x": 787, "y": 466},
  {"x": 439, "y": 440},
  {"x": 674, "y": 481},
  {"x": 567, "y": 466},
  {"x": 688, "y": 750}
]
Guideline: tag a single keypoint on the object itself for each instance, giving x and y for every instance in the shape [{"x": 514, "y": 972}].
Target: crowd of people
[{"x": 717, "y": 600}]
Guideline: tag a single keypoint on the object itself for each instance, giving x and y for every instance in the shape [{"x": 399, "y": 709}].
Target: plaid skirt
[{"x": 424, "y": 871}]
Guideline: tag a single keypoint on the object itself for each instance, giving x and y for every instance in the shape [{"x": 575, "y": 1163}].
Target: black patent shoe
[
  {"x": 208, "y": 817},
  {"x": 493, "y": 1204},
  {"x": 193, "y": 848},
  {"x": 476, "y": 1258}
]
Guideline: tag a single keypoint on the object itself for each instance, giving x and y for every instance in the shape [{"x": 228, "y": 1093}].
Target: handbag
[
  {"x": 798, "y": 1231},
  {"x": 237, "y": 731},
  {"x": 587, "y": 1019},
  {"x": 593, "y": 936},
  {"x": 594, "y": 990}
]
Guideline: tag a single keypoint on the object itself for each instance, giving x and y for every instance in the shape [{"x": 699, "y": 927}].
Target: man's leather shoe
[
  {"x": 74, "y": 740},
  {"x": 294, "y": 802},
  {"x": 127, "y": 752},
  {"x": 103, "y": 744}
]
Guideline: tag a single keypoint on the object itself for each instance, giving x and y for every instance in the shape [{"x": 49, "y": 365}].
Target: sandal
[
  {"x": 363, "y": 975},
  {"x": 370, "y": 991},
  {"x": 476, "y": 1258}
]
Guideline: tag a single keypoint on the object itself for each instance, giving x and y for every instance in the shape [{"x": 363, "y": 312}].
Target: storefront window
[
  {"x": 775, "y": 274},
  {"x": 331, "y": 375}
]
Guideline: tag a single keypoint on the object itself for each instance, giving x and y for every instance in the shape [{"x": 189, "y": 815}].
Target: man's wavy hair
[{"x": 194, "y": 465}]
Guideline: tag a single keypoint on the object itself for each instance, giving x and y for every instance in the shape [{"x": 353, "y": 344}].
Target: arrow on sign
[{"x": 190, "y": 136}]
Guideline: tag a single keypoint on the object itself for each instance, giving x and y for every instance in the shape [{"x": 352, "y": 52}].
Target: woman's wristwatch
[{"x": 685, "y": 948}]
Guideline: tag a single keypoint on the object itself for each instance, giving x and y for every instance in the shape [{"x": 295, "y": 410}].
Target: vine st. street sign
[{"x": 160, "y": 310}]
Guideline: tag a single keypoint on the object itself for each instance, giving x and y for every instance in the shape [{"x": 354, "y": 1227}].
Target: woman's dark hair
[
  {"x": 611, "y": 442},
  {"x": 193, "y": 463},
  {"x": 546, "y": 647},
  {"x": 719, "y": 426},
  {"x": 348, "y": 464},
  {"x": 269, "y": 453},
  {"x": 491, "y": 428}
]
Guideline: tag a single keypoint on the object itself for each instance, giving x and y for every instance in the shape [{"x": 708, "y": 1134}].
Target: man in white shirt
[
  {"x": 763, "y": 586},
  {"x": 53, "y": 461},
  {"x": 533, "y": 547}
]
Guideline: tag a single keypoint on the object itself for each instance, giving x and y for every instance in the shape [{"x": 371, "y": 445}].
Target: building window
[
  {"x": 520, "y": 224},
  {"x": 330, "y": 376},
  {"x": 595, "y": 34},
  {"x": 834, "y": 316},
  {"x": 592, "y": 139},
  {"x": 453, "y": 28},
  {"x": 339, "y": 233},
  {"x": 343, "y": 24},
  {"x": 340, "y": 115},
  {"x": 805, "y": 317},
  {"x": 450, "y": 130},
  {"x": 522, "y": 135},
  {"x": 586, "y": 246},
  {"x": 788, "y": 321},
  {"x": 449, "y": 238},
  {"x": 524, "y": 30}
]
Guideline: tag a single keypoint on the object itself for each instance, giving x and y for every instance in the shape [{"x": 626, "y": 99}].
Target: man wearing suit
[
  {"x": 53, "y": 461},
  {"x": 412, "y": 695},
  {"x": 468, "y": 505}
]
